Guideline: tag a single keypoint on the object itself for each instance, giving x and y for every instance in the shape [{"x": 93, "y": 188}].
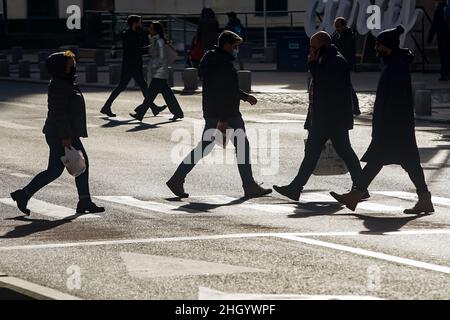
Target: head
[
  {"x": 61, "y": 65},
  {"x": 319, "y": 41},
  {"x": 340, "y": 24},
  {"x": 156, "y": 28},
  {"x": 208, "y": 13},
  {"x": 71, "y": 63},
  {"x": 229, "y": 41},
  {"x": 232, "y": 15},
  {"x": 134, "y": 22},
  {"x": 388, "y": 41}
]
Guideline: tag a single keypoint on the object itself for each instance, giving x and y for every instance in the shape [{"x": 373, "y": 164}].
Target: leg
[
  {"x": 415, "y": 172},
  {"x": 313, "y": 149},
  {"x": 152, "y": 91},
  {"x": 138, "y": 76},
  {"x": 343, "y": 147},
  {"x": 355, "y": 103},
  {"x": 171, "y": 100},
  {"x": 54, "y": 170},
  {"x": 124, "y": 80},
  {"x": 370, "y": 171}
]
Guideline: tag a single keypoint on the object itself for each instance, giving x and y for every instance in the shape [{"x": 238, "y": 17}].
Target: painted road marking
[
  {"x": 49, "y": 210},
  {"x": 371, "y": 254},
  {"x": 147, "y": 205},
  {"x": 212, "y": 294},
  {"x": 442, "y": 157},
  {"x": 12, "y": 125},
  {"x": 412, "y": 196},
  {"x": 150, "y": 266},
  {"x": 225, "y": 237},
  {"x": 20, "y": 104}
]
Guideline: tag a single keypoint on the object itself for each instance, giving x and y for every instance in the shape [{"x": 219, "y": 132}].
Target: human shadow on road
[
  {"x": 381, "y": 225},
  {"x": 146, "y": 126},
  {"x": 202, "y": 207},
  {"x": 36, "y": 225},
  {"x": 314, "y": 209}
]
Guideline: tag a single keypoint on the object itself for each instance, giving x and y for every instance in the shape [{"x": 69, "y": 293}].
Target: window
[
  {"x": 43, "y": 9},
  {"x": 278, "y": 7},
  {"x": 99, "y": 5}
]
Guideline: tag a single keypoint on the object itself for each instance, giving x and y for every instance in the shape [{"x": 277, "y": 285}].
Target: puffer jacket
[{"x": 158, "y": 64}]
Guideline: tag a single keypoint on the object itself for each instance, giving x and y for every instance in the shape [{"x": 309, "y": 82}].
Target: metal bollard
[
  {"x": 43, "y": 55},
  {"x": 43, "y": 72},
  {"x": 423, "y": 103},
  {"x": 91, "y": 72},
  {"x": 171, "y": 79},
  {"x": 190, "y": 79},
  {"x": 245, "y": 80},
  {"x": 4, "y": 68},
  {"x": 100, "y": 58},
  {"x": 17, "y": 54},
  {"x": 24, "y": 69},
  {"x": 114, "y": 73}
]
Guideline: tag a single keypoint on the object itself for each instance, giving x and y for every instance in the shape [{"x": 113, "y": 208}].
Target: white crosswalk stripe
[
  {"x": 16, "y": 126},
  {"x": 50, "y": 210},
  {"x": 412, "y": 196}
]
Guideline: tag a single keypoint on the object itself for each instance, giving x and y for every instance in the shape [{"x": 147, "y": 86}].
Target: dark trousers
[
  {"x": 240, "y": 142},
  {"x": 56, "y": 168},
  {"x": 355, "y": 102},
  {"x": 313, "y": 149},
  {"x": 159, "y": 86},
  {"x": 444, "y": 54},
  {"x": 413, "y": 168},
  {"x": 128, "y": 73}
]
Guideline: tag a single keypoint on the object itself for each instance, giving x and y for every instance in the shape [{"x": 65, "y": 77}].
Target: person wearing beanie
[
  {"x": 393, "y": 134},
  {"x": 441, "y": 28},
  {"x": 64, "y": 126}
]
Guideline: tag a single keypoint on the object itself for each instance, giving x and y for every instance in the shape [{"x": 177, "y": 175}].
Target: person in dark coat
[
  {"x": 440, "y": 27},
  {"x": 393, "y": 135},
  {"x": 65, "y": 125},
  {"x": 221, "y": 100},
  {"x": 344, "y": 41},
  {"x": 330, "y": 114},
  {"x": 208, "y": 29},
  {"x": 135, "y": 45}
]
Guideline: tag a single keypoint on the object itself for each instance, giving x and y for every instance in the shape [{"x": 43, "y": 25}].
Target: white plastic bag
[
  {"x": 330, "y": 164},
  {"x": 74, "y": 161}
]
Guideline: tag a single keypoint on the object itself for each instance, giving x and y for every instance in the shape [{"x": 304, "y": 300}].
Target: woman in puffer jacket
[
  {"x": 160, "y": 74},
  {"x": 65, "y": 125}
]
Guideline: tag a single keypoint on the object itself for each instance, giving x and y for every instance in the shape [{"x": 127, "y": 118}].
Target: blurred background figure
[
  {"x": 441, "y": 28},
  {"x": 208, "y": 29},
  {"x": 235, "y": 25}
]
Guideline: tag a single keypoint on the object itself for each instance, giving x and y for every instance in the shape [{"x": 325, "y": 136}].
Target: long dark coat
[{"x": 393, "y": 135}]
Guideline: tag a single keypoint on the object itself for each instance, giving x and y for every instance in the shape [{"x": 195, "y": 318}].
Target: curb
[{"x": 33, "y": 290}]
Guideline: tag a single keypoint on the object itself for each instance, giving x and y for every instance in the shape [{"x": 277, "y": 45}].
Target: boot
[
  {"x": 289, "y": 191},
  {"x": 424, "y": 205},
  {"x": 107, "y": 111},
  {"x": 22, "y": 199},
  {"x": 256, "y": 191},
  {"x": 366, "y": 194},
  {"x": 350, "y": 200},
  {"x": 177, "y": 187},
  {"x": 87, "y": 206}
]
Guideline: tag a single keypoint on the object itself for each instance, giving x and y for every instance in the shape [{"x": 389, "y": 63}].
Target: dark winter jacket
[
  {"x": 393, "y": 134},
  {"x": 345, "y": 43},
  {"x": 331, "y": 105},
  {"x": 66, "y": 116},
  {"x": 134, "y": 43},
  {"x": 221, "y": 93},
  {"x": 207, "y": 33},
  {"x": 440, "y": 26}
]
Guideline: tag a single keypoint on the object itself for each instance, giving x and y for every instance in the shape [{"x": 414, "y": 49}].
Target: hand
[
  {"x": 252, "y": 100},
  {"x": 67, "y": 143}
]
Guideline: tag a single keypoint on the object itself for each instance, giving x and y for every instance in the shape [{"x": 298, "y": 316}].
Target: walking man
[
  {"x": 134, "y": 46},
  {"x": 330, "y": 113},
  {"x": 393, "y": 135},
  {"x": 441, "y": 27},
  {"x": 221, "y": 100}
]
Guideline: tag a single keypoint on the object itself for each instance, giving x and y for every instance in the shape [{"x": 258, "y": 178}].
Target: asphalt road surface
[{"x": 215, "y": 245}]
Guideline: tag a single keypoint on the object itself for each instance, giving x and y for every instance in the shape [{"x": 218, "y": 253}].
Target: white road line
[
  {"x": 222, "y": 237},
  {"x": 18, "y": 104},
  {"x": 212, "y": 294},
  {"x": 412, "y": 196},
  {"x": 49, "y": 210},
  {"x": 12, "y": 125},
  {"x": 371, "y": 254},
  {"x": 147, "y": 205},
  {"x": 440, "y": 158},
  {"x": 265, "y": 120}
]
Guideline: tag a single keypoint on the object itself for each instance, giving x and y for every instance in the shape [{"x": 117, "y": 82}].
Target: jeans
[
  {"x": 240, "y": 142},
  {"x": 126, "y": 76},
  {"x": 159, "y": 86},
  {"x": 56, "y": 168},
  {"x": 313, "y": 149}
]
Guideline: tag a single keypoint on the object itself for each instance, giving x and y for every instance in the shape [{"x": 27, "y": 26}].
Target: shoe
[
  {"x": 87, "y": 206},
  {"x": 366, "y": 194},
  {"x": 157, "y": 110},
  {"x": 175, "y": 118},
  {"x": 423, "y": 205},
  {"x": 21, "y": 198},
  {"x": 107, "y": 110},
  {"x": 289, "y": 191},
  {"x": 350, "y": 200},
  {"x": 137, "y": 116},
  {"x": 176, "y": 186},
  {"x": 256, "y": 191}
]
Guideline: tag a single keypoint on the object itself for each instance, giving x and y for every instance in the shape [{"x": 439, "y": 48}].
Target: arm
[{"x": 57, "y": 110}]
